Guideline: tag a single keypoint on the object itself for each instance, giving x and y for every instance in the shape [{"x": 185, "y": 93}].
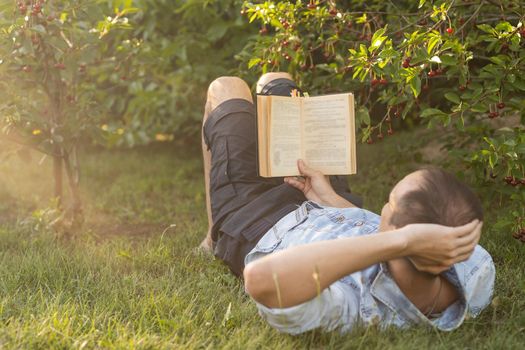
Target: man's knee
[
  {"x": 227, "y": 88},
  {"x": 268, "y": 77}
]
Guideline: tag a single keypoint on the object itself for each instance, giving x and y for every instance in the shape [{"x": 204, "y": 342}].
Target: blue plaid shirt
[{"x": 370, "y": 296}]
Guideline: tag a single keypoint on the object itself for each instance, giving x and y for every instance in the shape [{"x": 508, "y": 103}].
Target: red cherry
[
  {"x": 263, "y": 31},
  {"x": 462, "y": 88},
  {"x": 406, "y": 64},
  {"x": 439, "y": 71},
  {"x": 380, "y": 136},
  {"x": 450, "y": 30},
  {"x": 123, "y": 78},
  {"x": 432, "y": 73},
  {"x": 390, "y": 132},
  {"x": 285, "y": 43},
  {"x": 304, "y": 67},
  {"x": 522, "y": 33},
  {"x": 508, "y": 179},
  {"x": 333, "y": 11},
  {"x": 383, "y": 81},
  {"x": 37, "y": 8},
  {"x": 27, "y": 69},
  {"x": 522, "y": 181},
  {"x": 311, "y": 6},
  {"x": 501, "y": 105},
  {"x": 426, "y": 87},
  {"x": 287, "y": 57},
  {"x": 514, "y": 183},
  {"x": 370, "y": 141},
  {"x": 60, "y": 66},
  {"x": 22, "y": 9},
  {"x": 374, "y": 82}
]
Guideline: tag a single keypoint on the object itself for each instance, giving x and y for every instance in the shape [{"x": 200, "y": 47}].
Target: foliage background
[{"x": 455, "y": 66}]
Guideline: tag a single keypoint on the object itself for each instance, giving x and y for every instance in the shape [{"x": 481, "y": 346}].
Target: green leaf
[
  {"x": 504, "y": 27},
  {"x": 39, "y": 29},
  {"x": 362, "y": 19},
  {"x": 497, "y": 60},
  {"x": 217, "y": 31},
  {"x": 362, "y": 50},
  {"x": 415, "y": 86},
  {"x": 448, "y": 60},
  {"x": 453, "y": 97},
  {"x": 519, "y": 84},
  {"x": 486, "y": 28},
  {"x": 430, "y": 112},
  {"x": 432, "y": 43},
  {"x": 421, "y": 3},
  {"x": 377, "y": 39},
  {"x": 253, "y": 62},
  {"x": 363, "y": 115}
]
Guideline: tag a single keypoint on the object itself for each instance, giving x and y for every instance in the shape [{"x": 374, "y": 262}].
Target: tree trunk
[
  {"x": 73, "y": 175},
  {"x": 57, "y": 172}
]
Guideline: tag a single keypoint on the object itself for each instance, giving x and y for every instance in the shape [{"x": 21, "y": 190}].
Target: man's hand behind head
[{"x": 435, "y": 248}]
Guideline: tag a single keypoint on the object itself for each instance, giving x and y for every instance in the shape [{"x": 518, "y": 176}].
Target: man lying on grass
[{"x": 313, "y": 258}]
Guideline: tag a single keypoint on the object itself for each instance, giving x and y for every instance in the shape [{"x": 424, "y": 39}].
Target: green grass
[{"x": 124, "y": 281}]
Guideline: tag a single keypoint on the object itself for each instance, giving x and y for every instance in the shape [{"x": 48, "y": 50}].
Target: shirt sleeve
[{"x": 337, "y": 307}]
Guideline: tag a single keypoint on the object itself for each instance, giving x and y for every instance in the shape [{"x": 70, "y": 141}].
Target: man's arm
[
  {"x": 316, "y": 187},
  {"x": 296, "y": 275}
]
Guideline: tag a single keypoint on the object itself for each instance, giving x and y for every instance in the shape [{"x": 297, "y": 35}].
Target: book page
[
  {"x": 285, "y": 135},
  {"x": 328, "y": 134}
]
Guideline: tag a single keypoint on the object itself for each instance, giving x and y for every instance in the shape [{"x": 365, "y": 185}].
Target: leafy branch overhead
[{"x": 449, "y": 63}]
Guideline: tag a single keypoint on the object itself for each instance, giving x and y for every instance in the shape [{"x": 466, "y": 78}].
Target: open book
[{"x": 319, "y": 130}]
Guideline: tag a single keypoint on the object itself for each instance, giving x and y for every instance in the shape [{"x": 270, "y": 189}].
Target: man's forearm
[
  {"x": 337, "y": 201},
  {"x": 298, "y": 274}
]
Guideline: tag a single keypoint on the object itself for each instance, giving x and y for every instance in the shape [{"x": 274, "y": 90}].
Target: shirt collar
[{"x": 385, "y": 289}]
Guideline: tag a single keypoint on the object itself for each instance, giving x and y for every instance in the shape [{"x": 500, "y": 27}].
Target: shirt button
[{"x": 359, "y": 223}]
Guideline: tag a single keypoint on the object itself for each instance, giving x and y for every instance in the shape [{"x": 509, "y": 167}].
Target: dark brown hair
[{"x": 440, "y": 199}]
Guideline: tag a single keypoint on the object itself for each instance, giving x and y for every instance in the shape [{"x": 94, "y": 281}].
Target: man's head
[{"x": 430, "y": 195}]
